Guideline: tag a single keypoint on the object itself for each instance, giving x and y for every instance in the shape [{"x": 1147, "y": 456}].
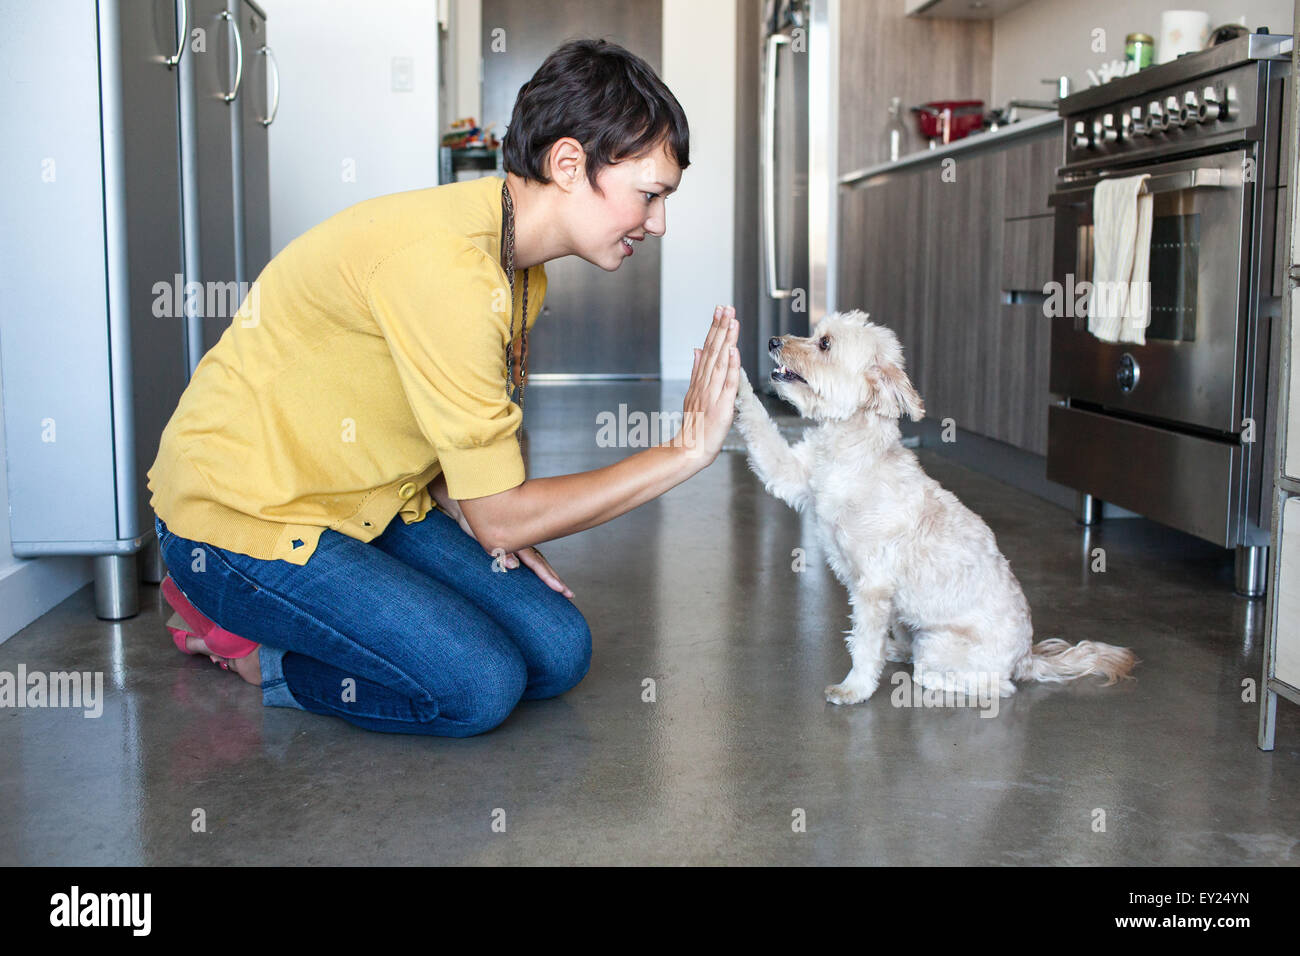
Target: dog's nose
[{"x": 773, "y": 343}]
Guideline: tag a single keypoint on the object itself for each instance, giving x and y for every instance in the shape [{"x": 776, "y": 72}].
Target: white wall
[
  {"x": 342, "y": 134},
  {"x": 699, "y": 66},
  {"x": 1047, "y": 38}
]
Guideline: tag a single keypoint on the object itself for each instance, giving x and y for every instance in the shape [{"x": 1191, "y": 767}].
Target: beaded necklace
[{"x": 508, "y": 261}]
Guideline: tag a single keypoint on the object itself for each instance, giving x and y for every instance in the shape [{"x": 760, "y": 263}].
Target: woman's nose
[{"x": 657, "y": 225}]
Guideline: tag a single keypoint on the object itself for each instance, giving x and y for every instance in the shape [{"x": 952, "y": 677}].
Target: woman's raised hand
[{"x": 710, "y": 402}]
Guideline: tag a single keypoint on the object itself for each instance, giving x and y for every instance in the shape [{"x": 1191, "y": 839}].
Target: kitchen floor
[{"x": 737, "y": 759}]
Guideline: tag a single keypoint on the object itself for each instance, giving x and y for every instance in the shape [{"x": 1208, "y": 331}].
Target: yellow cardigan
[{"x": 369, "y": 357}]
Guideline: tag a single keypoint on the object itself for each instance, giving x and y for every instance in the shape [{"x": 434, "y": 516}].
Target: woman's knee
[
  {"x": 492, "y": 686},
  {"x": 563, "y": 658}
]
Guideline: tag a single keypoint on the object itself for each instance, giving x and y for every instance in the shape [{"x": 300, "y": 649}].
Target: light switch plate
[{"x": 403, "y": 74}]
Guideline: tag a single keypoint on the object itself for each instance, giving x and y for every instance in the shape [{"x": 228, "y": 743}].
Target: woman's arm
[{"x": 542, "y": 509}]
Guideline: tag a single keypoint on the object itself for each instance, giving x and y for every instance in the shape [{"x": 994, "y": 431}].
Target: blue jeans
[{"x": 411, "y": 633}]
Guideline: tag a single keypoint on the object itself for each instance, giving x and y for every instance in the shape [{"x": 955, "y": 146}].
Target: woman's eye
[
  {"x": 650, "y": 197},
  {"x": 825, "y": 343}
]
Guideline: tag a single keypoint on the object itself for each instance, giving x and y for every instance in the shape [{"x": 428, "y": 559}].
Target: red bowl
[{"x": 949, "y": 120}]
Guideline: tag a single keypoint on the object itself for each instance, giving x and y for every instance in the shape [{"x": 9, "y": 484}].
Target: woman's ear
[
  {"x": 894, "y": 394},
  {"x": 568, "y": 161}
]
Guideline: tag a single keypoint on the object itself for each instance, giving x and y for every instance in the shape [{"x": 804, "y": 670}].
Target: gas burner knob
[
  {"x": 1126, "y": 128},
  {"x": 1126, "y": 377},
  {"x": 1214, "y": 105},
  {"x": 1173, "y": 112},
  {"x": 1137, "y": 122},
  {"x": 1191, "y": 111},
  {"x": 1103, "y": 130},
  {"x": 1081, "y": 139},
  {"x": 1155, "y": 116}
]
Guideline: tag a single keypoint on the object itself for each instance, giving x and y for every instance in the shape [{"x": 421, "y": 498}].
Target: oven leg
[
  {"x": 117, "y": 586},
  {"x": 1087, "y": 509},
  {"x": 1251, "y": 570}
]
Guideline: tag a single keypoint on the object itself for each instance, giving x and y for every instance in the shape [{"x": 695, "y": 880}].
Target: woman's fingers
[
  {"x": 716, "y": 346},
  {"x": 533, "y": 558},
  {"x": 722, "y": 364}
]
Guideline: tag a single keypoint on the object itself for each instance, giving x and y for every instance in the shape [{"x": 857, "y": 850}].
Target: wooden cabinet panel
[
  {"x": 1019, "y": 371},
  {"x": 883, "y": 260},
  {"x": 1027, "y": 254},
  {"x": 1030, "y": 172},
  {"x": 930, "y": 254},
  {"x": 965, "y": 239}
]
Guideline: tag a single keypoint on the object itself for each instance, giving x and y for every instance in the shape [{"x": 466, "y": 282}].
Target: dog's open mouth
[{"x": 783, "y": 373}]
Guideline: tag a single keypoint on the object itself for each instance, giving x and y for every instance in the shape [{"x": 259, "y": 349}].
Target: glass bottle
[{"x": 895, "y": 132}]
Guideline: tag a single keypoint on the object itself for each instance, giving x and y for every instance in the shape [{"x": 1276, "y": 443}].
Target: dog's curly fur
[{"x": 926, "y": 580}]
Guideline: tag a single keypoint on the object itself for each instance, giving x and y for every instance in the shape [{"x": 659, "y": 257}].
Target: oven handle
[{"x": 1210, "y": 177}]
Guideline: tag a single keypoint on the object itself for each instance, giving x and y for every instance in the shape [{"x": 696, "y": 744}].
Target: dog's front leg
[
  {"x": 783, "y": 473},
  {"x": 872, "y": 610}
]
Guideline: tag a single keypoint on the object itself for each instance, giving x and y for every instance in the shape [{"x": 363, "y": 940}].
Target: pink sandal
[{"x": 189, "y": 620}]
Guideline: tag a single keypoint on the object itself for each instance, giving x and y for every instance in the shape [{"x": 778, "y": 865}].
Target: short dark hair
[{"x": 602, "y": 95}]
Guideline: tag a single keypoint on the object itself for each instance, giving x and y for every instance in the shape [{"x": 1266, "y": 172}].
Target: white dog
[{"x": 926, "y": 580}]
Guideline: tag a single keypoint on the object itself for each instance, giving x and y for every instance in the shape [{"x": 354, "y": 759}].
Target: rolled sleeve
[{"x": 433, "y": 301}]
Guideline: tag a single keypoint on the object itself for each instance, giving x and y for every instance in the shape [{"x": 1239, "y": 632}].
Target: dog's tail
[{"x": 1055, "y": 661}]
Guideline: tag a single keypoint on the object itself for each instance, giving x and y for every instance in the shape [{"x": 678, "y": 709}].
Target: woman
[{"x": 378, "y": 369}]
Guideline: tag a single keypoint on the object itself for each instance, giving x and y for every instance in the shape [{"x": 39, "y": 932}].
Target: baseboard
[{"x": 31, "y": 586}]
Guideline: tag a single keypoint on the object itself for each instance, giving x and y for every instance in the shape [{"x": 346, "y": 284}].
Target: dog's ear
[{"x": 893, "y": 394}]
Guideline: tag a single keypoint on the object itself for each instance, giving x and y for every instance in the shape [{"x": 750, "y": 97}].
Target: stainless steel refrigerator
[
  {"x": 111, "y": 190},
  {"x": 230, "y": 91},
  {"x": 796, "y": 199}
]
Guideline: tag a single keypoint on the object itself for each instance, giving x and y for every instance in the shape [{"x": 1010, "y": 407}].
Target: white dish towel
[{"x": 1119, "y": 308}]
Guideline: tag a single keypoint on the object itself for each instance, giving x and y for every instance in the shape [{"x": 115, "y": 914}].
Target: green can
[{"x": 1138, "y": 48}]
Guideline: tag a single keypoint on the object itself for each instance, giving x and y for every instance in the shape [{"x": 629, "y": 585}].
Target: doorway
[{"x": 594, "y": 324}]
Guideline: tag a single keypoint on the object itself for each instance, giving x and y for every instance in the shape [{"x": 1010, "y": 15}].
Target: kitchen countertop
[{"x": 928, "y": 155}]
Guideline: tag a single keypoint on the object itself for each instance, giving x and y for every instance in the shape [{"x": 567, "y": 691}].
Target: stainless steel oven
[{"x": 1176, "y": 428}]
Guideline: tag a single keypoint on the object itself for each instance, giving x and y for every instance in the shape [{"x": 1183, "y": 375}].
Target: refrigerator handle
[
  {"x": 275, "y": 97},
  {"x": 239, "y": 55},
  {"x": 768, "y": 160},
  {"x": 183, "y": 6}
]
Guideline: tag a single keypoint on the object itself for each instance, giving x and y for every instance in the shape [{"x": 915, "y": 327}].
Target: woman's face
[{"x": 631, "y": 208}]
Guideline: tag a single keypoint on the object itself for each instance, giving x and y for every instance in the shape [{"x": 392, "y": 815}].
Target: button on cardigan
[{"x": 368, "y": 357}]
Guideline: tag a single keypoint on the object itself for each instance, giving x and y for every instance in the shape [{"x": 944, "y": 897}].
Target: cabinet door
[
  {"x": 260, "y": 82},
  {"x": 1286, "y": 654},
  {"x": 1018, "y": 390},
  {"x": 1029, "y": 173},
  {"x": 1291, "y": 461},
  {"x": 965, "y": 235},
  {"x": 884, "y": 261}
]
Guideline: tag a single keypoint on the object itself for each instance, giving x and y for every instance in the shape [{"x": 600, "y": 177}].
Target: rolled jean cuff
[{"x": 275, "y": 692}]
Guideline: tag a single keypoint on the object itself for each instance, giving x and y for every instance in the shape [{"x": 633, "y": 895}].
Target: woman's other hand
[
  {"x": 710, "y": 402},
  {"x": 508, "y": 560}
]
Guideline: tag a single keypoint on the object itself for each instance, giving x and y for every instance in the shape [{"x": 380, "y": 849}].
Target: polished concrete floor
[{"x": 738, "y": 759}]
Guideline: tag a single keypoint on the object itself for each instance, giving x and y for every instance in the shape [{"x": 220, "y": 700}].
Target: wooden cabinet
[
  {"x": 1027, "y": 254},
  {"x": 882, "y": 269},
  {"x": 953, "y": 257}
]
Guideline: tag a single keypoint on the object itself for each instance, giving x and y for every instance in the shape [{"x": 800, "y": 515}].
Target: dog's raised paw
[{"x": 847, "y": 693}]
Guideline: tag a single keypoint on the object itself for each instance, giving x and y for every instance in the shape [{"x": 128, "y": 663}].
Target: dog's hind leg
[
  {"x": 781, "y": 469},
  {"x": 898, "y": 646},
  {"x": 872, "y": 609}
]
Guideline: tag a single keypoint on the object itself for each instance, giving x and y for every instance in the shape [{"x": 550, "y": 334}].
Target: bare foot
[{"x": 249, "y": 668}]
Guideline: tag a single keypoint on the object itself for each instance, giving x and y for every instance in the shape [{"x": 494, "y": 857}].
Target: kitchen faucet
[{"x": 1062, "y": 84}]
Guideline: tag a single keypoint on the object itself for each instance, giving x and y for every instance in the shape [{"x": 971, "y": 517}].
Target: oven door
[{"x": 1189, "y": 371}]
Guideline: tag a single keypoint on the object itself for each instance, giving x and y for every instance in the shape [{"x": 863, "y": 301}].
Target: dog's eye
[{"x": 825, "y": 343}]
